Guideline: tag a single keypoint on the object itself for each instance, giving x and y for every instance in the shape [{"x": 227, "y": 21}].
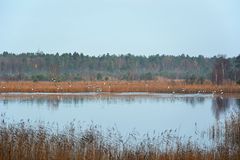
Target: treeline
[{"x": 74, "y": 66}]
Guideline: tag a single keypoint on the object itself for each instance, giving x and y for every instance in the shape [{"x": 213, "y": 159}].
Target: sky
[{"x": 140, "y": 27}]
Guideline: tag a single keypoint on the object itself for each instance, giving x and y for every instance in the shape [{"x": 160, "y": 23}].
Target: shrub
[
  {"x": 38, "y": 77},
  {"x": 99, "y": 77},
  {"x": 147, "y": 76},
  {"x": 238, "y": 82}
]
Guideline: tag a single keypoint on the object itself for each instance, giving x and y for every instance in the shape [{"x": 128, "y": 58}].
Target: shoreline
[{"x": 115, "y": 87}]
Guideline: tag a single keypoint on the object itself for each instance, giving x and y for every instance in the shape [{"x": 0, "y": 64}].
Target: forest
[{"x": 75, "y": 66}]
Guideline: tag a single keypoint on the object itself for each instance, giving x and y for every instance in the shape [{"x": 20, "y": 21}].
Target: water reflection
[
  {"x": 55, "y": 100},
  {"x": 194, "y": 100},
  {"x": 238, "y": 103},
  {"x": 143, "y": 112},
  {"x": 220, "y": 104}
]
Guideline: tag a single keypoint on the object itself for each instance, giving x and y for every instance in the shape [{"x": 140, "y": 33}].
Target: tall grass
[
  {"x": 117, "y": 86},
  {"x": 226, "y": 137},
  {"x": 21, "y": 141}
]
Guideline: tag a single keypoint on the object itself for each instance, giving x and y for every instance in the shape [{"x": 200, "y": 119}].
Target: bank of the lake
[{"x": 117, "y": 86}]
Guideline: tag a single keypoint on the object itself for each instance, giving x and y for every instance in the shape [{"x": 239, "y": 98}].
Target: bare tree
[{"x": 220, "y": 68}]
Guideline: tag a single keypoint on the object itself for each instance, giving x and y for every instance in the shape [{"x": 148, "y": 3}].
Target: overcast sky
[{"x": 94, "y": 27}]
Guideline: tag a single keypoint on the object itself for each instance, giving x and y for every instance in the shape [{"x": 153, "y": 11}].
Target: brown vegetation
[
  {"x": 22, "y": 141},
  {"x": 117, "y": 86}
]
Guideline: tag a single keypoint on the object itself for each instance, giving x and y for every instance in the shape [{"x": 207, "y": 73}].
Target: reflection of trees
[
  {"x": 53, "y": 103},
  {"x": 238, "y": 103},
  {"x": 219, "y": 106},
  {"x": 5, "y": 102},
  {"x": 194, "y": 100},
  {"x": 55, "y": 100}
]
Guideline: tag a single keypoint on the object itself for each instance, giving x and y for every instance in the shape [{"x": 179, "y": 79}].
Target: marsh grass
[
  {"x": 226, "y": 138},
  {"x": 22, "y": 141},
  {"x": 118, "y": 86}
]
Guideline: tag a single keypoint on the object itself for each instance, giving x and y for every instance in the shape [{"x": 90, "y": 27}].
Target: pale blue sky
[{"x": 207, "y": 27}]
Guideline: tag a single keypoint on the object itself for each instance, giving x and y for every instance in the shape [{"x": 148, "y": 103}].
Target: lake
[{"x": 127, "y": 112}]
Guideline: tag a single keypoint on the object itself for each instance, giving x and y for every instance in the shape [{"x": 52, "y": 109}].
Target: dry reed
[
  {"x": 117, "y": 86},
  {"x": 22, "y": 141}
]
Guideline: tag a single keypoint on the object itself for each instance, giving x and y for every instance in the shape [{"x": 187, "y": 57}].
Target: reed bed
[
  {"x": 117, "y": 86},
  {"x": 22, "y": 141}
]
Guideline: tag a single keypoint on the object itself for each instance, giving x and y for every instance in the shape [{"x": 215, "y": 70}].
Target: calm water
[{"x": 144, "y": 113}]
